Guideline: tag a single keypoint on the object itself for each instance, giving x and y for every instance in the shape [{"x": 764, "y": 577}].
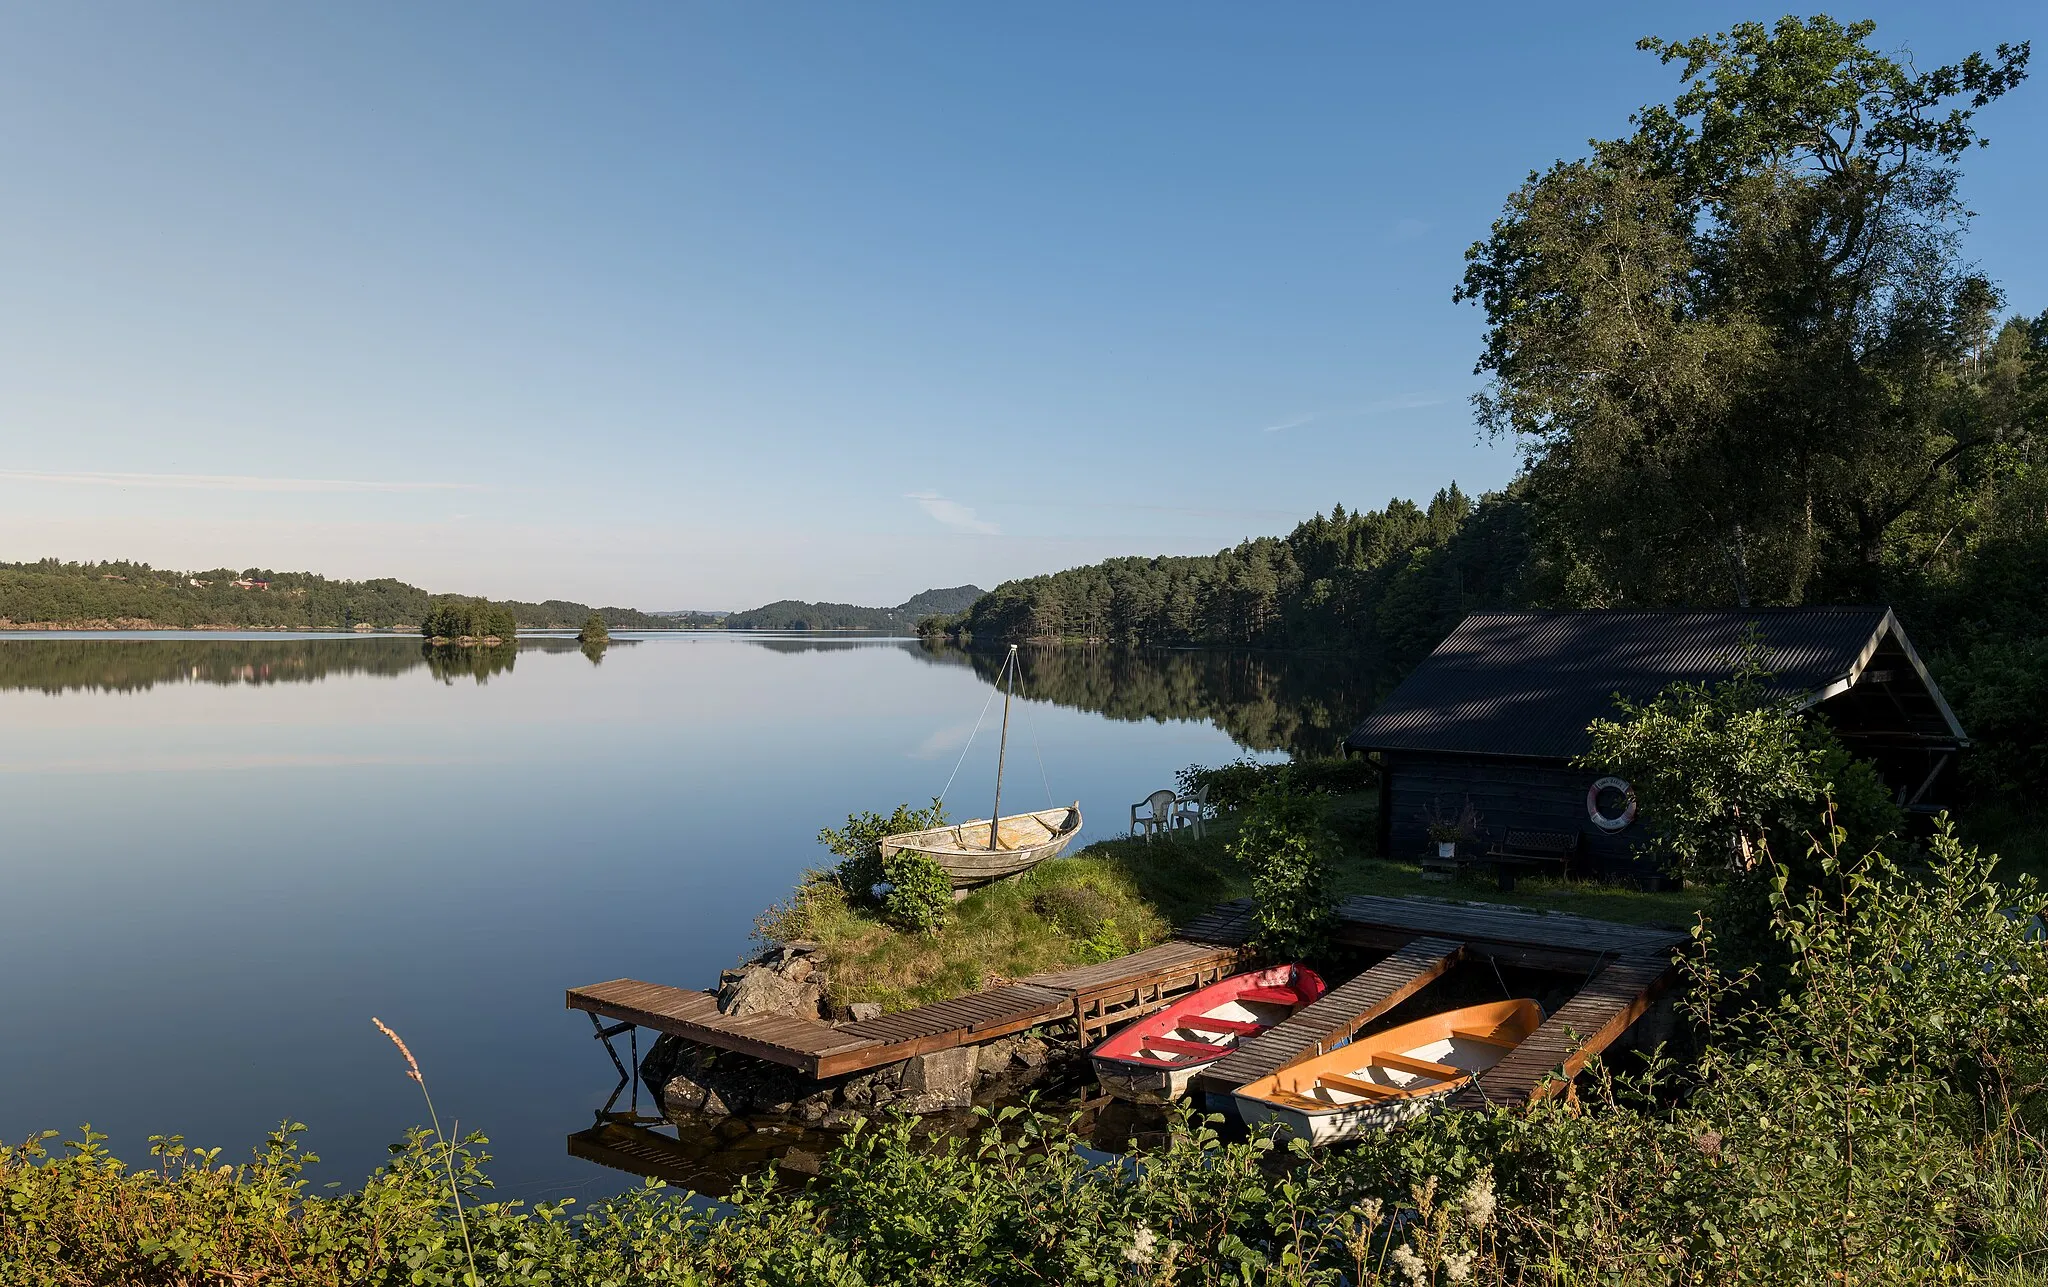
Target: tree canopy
[{"x": 1740, "y": 344}]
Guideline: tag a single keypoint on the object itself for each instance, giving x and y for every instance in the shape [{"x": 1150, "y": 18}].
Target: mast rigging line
[{"x": 970, "y": 743}]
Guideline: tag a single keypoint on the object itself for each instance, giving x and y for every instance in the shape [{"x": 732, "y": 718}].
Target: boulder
[
  {"x": 862, "y": 1011},
  {"x": 761, "y": 990},
  {"x": 682, "y": 1095},
  {"x": 993, "y": 1059},
  {"x": 1031, "y": 1051},
  {"x": 801, "y": 1161},
  {"x": 941, "y": 1079}
]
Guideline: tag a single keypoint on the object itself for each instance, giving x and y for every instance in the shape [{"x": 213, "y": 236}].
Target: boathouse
[{"x": 1498, "y": 712}]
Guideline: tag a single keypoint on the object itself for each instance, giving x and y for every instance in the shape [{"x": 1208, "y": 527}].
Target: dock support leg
[{"x": 605, "y": 1035}]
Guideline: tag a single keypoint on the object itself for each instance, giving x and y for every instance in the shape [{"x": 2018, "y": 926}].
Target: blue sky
[{"x": 703, "y": 306}]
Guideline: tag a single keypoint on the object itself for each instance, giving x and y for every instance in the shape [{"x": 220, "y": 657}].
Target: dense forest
[
  {"x": 791, "y": 614},
  {"x": 1747, "y": 363},
  {"x": 138, "y": 596}
]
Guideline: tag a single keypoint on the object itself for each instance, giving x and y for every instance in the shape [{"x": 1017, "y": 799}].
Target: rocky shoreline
[{"x": 698, "y": 1085}]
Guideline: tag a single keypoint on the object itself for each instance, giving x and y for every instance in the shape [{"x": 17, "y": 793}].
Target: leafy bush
[
  {"x": 920, "y": 893},
  {"x": 1717, "y": 769},
  {"x": 1232, "y": 786},
  {"x": 859, "y": 845},
  {"x": 1286, "y": 846},
  {"x": 2000, "y": 690}
]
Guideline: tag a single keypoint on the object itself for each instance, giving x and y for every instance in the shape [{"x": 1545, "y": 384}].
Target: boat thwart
[
  {"x": 1153, "y": 1060},
  {"x": 1379, "y": 1080}
]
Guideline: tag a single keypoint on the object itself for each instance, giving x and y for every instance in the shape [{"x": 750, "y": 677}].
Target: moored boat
[
  {"x": 980, "y": 851},
  {"x": 1022, "y": 841},
  {"x": 1153, "y": 1060},
  {"x": 1380, "y": 1080}
]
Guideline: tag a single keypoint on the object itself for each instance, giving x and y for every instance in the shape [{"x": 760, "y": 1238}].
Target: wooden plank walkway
[
  {"x": 1332, "y": 1018},
  {"x": 1093, "y": 997},
  {"x": 1584, "y": 1026},
  {"x": 1511, "y": 935}
]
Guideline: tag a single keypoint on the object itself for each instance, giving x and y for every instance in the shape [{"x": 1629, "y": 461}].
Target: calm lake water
[{"x": 223, "y": 854}]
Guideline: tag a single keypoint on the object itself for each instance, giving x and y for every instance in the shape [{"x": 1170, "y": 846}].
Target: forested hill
[
  {"x": 1393, "y": 580},
  {"x": 790, "y": 614},
  {"x": 137, "y": 596}
]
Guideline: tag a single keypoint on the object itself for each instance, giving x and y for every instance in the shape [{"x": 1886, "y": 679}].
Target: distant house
[
  {"x": 251, "y": 584},
  {"x": 1496, "y": 714}
]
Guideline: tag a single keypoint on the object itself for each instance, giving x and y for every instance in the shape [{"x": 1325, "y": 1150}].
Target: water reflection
[
  {"x": 1302, "y": 703},
  {"x": 139, "y": 664}
]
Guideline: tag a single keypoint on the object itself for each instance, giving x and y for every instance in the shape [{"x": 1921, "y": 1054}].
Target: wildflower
[
  {"x": 399, "y": 1041},
  {"x": 1142, "y": 1243},
  {"x": 1459, "y": 1267},
  {"x": 1476, "y": 1203},
  {"x": 1709, "y": 1143},
  {"x": 1411, "y": 1265}
]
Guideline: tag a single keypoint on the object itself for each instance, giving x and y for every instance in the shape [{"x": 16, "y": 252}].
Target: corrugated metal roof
[{"x": 1528, "y": 683}]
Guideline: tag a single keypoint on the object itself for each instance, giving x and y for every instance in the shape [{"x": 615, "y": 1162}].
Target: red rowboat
[{"x": 1153, "y": 1060}]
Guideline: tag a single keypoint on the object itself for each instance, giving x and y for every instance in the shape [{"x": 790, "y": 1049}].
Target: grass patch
[{"x": 1124, "y": 895}]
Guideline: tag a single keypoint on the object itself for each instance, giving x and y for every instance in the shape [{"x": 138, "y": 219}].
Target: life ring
[{"x": 1608, "y": 822}]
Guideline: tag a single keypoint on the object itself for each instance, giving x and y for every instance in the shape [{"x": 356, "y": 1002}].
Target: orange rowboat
[{"x": 1390, "y": 1076}]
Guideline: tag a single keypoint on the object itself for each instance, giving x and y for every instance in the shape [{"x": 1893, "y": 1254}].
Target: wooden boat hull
[
  {"x": 1023, "y": 840},
  {"x": 1131, "y": 1068},
  {"x": 1465, "y": 1042}
]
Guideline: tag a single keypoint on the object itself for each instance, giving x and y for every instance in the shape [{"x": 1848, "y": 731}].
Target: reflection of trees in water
[
  {"x": 1302, "y": 703},
  {"x": 450, "y": 662},
  {"x": 830, "y": 645},
  {"x": 131, "y": 665},
  {"x": 134, "y": 665}
]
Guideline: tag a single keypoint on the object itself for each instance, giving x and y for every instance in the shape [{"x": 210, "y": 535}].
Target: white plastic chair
[
  {"x": 1190, "y": 811},
  {"x": 1158, "y": 816}
]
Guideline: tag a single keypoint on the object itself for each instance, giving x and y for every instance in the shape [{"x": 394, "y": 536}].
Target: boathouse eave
[{"x": 1521, "y": 687}]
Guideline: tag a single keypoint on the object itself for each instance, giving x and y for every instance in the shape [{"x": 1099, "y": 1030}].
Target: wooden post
[{"x": 995, "y": 817}]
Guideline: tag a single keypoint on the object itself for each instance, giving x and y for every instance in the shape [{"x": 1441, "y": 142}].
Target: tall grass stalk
[{"x": 447, "y": 1150}]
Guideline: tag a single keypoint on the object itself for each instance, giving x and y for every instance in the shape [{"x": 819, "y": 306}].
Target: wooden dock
[
  {"x": 1591, "y": 1021},
  {"x": 1507, "y": 935},
  {"x": 1627, "y": 966},
  {"x": 1092, "y": 997},
  {"x": 1331, "y": 1019}
]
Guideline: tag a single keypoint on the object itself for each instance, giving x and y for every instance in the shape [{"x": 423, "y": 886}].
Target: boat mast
[{"x": 996, "y": 816}]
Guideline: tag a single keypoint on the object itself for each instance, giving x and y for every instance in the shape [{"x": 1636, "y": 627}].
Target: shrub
[
  {"x": 859, "y": 845},
  {"x": 920, "y": 893},
  {"x": 1719, "y": 770},
  {"x": 1232, "y": 786},
  {"x": 1086, "y": 915},
  {"x": 1284, "y": 843},
  {"x": 2000, "y": 689}
]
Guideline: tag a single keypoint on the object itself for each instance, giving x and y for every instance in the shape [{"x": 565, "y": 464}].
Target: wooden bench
[{"x": 1532, "y": 850}]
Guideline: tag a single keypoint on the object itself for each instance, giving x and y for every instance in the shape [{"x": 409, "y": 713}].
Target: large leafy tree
[{"x": 1740, "y": 343}]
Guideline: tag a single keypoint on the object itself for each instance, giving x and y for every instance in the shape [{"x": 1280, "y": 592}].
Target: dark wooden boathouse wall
[{"x": 1519, "y": 795}]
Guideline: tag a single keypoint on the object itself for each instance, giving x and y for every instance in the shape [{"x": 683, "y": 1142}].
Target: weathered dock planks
[
  {"x": 1510, "y": 935},
  {"x": 1332, "y": 1018},
  {"x": 1582, "y": 1027},
  {"x": 1092, "y": 997}
]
